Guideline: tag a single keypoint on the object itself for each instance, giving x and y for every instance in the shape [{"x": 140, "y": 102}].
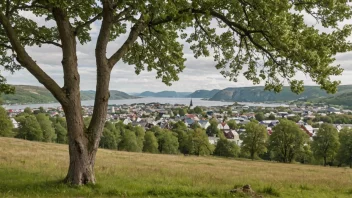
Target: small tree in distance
[
  {"x": 326, "y": 142},
  {"x": 287, "y": 141},
  {"x": 254, "y": 139}
]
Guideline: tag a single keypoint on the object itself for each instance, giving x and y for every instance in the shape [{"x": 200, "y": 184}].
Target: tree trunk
[
  {"x": 82, "y": 154},
  {"x": 324, "y": 161}
]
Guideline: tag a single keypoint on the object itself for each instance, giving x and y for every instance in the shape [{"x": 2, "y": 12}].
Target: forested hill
[
  {"x": 257, "y": 94},
  {"x": 25, "y": 94},
  {"x": 203, "y": 93}
]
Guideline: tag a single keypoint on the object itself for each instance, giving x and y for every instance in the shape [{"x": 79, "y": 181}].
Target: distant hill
[
  {"x": 257, "y": 94},
  {"x": 35, "y": 94},
  {"x": 203, "y": 93},
  {"x": 344, "y": 99},
  {"x": 164, "y": 94}
]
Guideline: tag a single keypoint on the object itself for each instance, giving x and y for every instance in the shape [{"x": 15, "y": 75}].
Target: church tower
[{"x": 191, "y": 104}]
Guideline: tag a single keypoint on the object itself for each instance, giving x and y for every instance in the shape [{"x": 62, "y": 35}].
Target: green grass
[{"x": 33, "y": 169}]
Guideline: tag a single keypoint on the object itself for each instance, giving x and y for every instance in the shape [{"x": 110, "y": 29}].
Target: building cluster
[{"x": 164, "y": 115}]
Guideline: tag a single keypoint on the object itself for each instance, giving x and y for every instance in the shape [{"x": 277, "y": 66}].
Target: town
[{"x": 217, "y": 122}]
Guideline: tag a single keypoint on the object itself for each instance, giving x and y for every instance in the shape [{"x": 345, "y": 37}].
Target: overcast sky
[{"x": 198, "y": 74}]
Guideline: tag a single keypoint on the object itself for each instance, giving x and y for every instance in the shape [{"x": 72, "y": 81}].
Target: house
[
  {"x": 223, "y": 126},
  {"x": 142, "y": 124},
  {"x": 127, "y": 121},
  {"x": 233, "y": 136},
  {"x": 283, "y": 114},
  {"x": 204, "y": 123},
  {"x": 308, "y": 129},
  {"x": 189, "y": 122},
  {"x": 333, "y": 110},
  {"x": 269, "y": 123},
  {"x": 14, "y": 122},
  {"x": 213, "y": 140},
  {"x": 192, "y": 116}
]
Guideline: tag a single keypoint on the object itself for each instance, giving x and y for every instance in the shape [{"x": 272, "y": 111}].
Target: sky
[{"x": 199, "y": 73}]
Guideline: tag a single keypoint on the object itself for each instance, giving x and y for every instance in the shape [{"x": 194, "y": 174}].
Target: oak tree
[{"x": 265, "y": 40}]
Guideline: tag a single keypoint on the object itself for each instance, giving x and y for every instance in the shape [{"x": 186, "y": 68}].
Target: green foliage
[
  {"x": 150, "y": 143},
  {"x": 167, "y": 141},
  {"x": 129, "y": 142},
  {"x": 213, "y": 129},
  {"x": 46, "y": 127},
  {"x": 183, "y": 137},
  {"x": 61, "y": 133},
  {"x": 294, "y": 118},
  {"x": 181, "y": 112},
  {"x": 29, "y": 129},
  {"x": 28, "y": 110},
  {"x": 344, "y": 154},
  {"x": 326, "y": 142},
  {"x": 226, "y": 148},
  {"x": 271, "y": 117},
  {"x": 6, "y": 125},
  {"x": 140, "y": 133},
  {"x": 195, "y": 125},
  {"x": 232, "y": 124},
  {"x": 87, "y": 120},
  {"x": 254, "y": 139},
  {"x": 199, "y": 142},
  {"x": 287, "y": 141},
  {"x": 259, "y": 116},
  {"x": 198, "y": 110},
  {"x": 108, "y": 140}
]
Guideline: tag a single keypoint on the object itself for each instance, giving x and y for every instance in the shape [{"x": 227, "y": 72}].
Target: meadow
[{"x": 35, "y": 169}]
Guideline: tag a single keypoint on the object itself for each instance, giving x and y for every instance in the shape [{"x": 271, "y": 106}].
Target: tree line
[{"x": 288, "y": 142}]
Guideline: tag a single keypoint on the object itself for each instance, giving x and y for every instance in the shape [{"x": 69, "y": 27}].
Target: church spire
[{"x": 191, "y": 104}]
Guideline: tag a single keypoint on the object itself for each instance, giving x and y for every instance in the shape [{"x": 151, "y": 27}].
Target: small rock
[{"x": 247, "y": 190}]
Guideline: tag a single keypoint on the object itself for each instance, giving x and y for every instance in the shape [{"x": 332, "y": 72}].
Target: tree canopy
[
  {"x": 254, "y": 139},
  {"x": 287, "y": 141},
  {"x": 270, "y": 37},
  {"x": 326, "y": 142}
]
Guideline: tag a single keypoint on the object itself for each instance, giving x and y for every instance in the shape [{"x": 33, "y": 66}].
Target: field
[{"x": 33, "y": 169}]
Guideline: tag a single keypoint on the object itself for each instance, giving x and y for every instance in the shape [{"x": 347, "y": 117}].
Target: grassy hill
[
  {"x": 34, "y": 94},
  {"x": 33, "y": 169}
]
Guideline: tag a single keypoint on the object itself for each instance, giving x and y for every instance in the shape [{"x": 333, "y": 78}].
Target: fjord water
[{"x": 184, "y": 101}]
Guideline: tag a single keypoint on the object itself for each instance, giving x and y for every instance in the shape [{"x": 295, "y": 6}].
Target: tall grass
[{"x": 34, "y": 169}]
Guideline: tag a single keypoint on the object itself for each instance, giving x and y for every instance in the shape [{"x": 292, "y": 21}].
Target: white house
[
  {"x": 15, "y": 123},
  {"x": 223, "y": 126},
  {"x": 204, "y": 123},
  {"x": 127, "y": 121}
]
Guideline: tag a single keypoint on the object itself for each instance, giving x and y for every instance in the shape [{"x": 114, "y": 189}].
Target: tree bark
[{"x": 81, "y": 167}]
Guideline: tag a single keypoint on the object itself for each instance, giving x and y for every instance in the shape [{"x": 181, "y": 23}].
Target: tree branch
[
  {"x": 43, "y": 42},
  {"x": 87, "y": 23},
  {"x": 6, "y": 46},
  {"x": 7, "y": 8},
  {"x": 137, "y": 28},
  {"x": 26, "y": 61}
]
